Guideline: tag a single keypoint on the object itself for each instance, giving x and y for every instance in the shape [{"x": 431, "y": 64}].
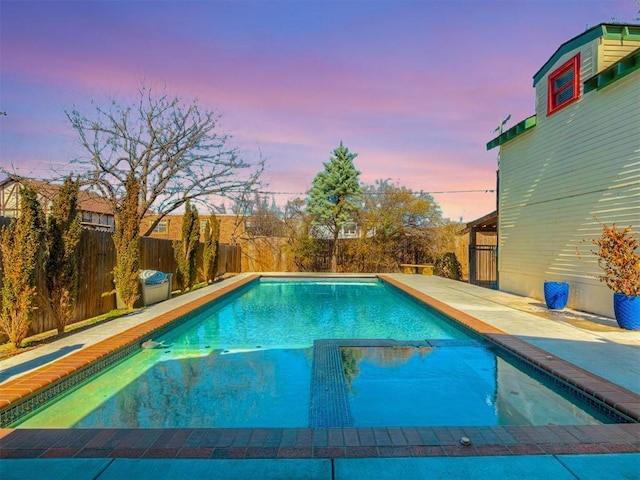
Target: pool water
[
  {"x": 451, "y": 386},
  {"x": 246, "y": 360},
  {"x": 284, "y": 314},
  {"x": 154, "y": 389}
]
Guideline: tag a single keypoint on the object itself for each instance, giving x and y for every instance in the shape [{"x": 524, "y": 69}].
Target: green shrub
[
  {"x": 448, "y": 266},
  {"x": 210, "y": 251},
  {"x": 21, "y": 247},
  {"x": 126, "y": 240},
  {"x": 61, "y": 265},
  {"x": 185, "y": 249}
]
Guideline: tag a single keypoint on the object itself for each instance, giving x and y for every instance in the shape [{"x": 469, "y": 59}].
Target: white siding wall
[{"x": 577, "y": 165}]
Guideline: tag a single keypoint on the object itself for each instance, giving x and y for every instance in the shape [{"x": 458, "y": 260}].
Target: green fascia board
[
  {"x": 615, "y": 72},
  {"x": 513, "y": 132},
  {"x": 608, "y": 30}
]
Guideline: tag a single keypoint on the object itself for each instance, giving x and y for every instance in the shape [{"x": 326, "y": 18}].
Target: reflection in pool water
[{"x": 450, "y": 386}]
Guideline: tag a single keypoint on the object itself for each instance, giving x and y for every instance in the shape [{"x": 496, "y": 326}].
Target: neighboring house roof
[{"x": 87, "y": 201}]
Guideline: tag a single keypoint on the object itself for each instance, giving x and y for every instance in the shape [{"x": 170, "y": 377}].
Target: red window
[{"x": 564, "y": 85}]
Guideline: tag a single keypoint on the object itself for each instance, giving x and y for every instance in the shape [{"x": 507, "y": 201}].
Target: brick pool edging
[{"x": 318, "y": 442}]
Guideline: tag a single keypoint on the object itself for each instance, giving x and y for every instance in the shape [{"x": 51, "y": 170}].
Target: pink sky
[{"x": 416, "y": 88}]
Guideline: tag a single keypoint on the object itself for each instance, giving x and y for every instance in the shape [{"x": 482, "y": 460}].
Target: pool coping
[{"x": 317, "y": 442}]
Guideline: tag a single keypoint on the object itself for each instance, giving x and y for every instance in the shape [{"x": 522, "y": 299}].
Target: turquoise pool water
[
  {"x": 247, "y": 361},
  {"x": 292, "y": 314},
  {"x": 451, "y": 386},
  {"x": 158, "y": 389}
]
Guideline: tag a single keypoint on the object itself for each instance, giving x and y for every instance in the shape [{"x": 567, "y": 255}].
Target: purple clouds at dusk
[{"x": 416, "y": 88}]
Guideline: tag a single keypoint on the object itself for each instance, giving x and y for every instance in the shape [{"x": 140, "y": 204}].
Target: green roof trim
[
  {"x": 615, "y": 72},
  {"x": 513, "y": 132},
  {"x": 612, "y": 31}
]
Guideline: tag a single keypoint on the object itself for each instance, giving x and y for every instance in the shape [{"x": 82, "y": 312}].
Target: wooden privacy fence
[{"x": 96, "y": 260}]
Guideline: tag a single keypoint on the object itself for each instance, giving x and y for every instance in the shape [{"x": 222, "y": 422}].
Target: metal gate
[{"x": 483, "y": 265}]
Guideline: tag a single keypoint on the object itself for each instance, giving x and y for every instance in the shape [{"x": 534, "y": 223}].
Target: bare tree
[{"x": 176, "y": 152}]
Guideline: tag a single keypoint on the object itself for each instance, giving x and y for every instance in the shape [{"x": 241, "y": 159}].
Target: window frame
[
  {"x": 572, "y": 63},
  {"x": 165, "y": 226}
]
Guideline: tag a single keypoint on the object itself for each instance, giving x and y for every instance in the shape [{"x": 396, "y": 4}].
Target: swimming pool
[{"x": 252, "y": 360}]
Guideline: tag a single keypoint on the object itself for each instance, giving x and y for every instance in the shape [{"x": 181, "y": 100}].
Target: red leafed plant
[{"x": 617, "y": 252}]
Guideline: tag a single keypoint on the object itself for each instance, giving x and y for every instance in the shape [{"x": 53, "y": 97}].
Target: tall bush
[
  {"x": 210, "y": 251},
  {"x": 126, "y": 240},
  {"x": 21, "y": 247},
  {"x": 185, "y": 249},
  {"x": 448, "y": 266},
  {"x": 61, "y": 266}
]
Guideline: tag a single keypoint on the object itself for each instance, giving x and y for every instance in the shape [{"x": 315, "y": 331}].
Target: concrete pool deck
[
  {"x": 555, "y": 467},
  {"x": 592, "y": 344}
]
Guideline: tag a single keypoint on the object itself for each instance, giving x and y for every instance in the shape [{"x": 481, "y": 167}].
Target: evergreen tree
[
  {"x": 61, "y": 266},
  {"x": 185, "y": 249},
  {"x": 21, "y": 247},
  {"x": 335, "y": 196},
  {"x": 206, "y": 252},
  {"x": 210, "y": 251},
  {"x": 126, "y": 240},
  {"x": 215, "y": 238}
]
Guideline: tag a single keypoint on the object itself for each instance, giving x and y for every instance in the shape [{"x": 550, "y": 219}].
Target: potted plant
[{"x": 619, "y": 258}]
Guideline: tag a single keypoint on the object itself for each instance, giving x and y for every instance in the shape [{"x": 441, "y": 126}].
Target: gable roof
[
  {"x": 617, "y": 31},
  {"x": 87, "y": 201}
]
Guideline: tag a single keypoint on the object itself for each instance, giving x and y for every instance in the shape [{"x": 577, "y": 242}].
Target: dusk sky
[{"x": 416, "y": 88}]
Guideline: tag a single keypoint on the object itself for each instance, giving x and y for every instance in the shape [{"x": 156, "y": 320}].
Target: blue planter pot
[
  {"x": 556, "y": 295},
  {"x": 627, "y": 310}
]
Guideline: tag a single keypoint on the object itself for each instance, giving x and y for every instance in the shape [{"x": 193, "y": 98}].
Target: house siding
[
  {"x": 231, "y": 227},
  {"x": 578, "y": 166},
  {"x": 612, "y": 50},
  {"x": 96, "y": 211}
]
